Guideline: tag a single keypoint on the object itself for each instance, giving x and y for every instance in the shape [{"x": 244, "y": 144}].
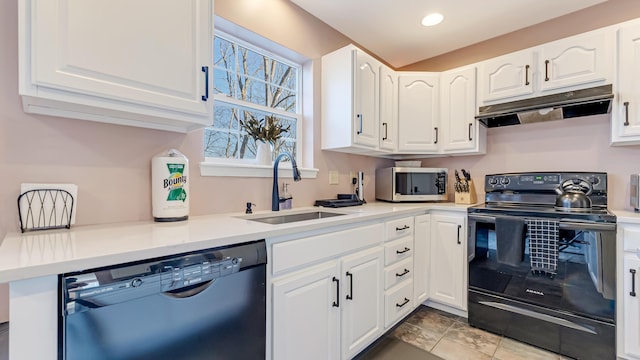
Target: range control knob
[
  {"x": 505, "y": 181},
  {"x": 595, "y": 180},
  {"x": 493, "y": 181},
  {"x": 136, "y": 282}
]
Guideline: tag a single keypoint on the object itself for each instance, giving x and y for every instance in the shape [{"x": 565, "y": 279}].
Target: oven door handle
[
  {"x": 483, "y": 218},
  {"x": 586, "y": 226}
]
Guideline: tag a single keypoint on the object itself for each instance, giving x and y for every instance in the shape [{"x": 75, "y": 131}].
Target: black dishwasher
[{"x": 208, "y": 304}]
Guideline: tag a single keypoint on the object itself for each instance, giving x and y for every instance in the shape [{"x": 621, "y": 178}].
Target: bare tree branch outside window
[{"x": 260, "y": 86}]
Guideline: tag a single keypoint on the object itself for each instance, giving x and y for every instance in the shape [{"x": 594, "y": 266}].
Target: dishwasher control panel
[{"x": 173, "y": 278}]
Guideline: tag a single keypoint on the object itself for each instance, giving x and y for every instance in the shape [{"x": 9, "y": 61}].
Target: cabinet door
[
  {"x": 626, "y": 118},
  {"x": 506, "y": 76},
  {"x": 447, "y": 268},
  {"x": 576, "y": 61},
  {"x": 631, "y": 312},
  {"x": 418, "y": 111},
  {"x": 459, "y": 109},
  {"x": 388, "y": 109},
  {"x": 362, "y": 296},
  {"x": 138, "y": 52},
  {"x": 306, "y": 316},
  {"x": 366, "y": 100},
  {"x": 421, "y": 258}
]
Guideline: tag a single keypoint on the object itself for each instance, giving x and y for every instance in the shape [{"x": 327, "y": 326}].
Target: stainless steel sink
[{"x": 289, "y": 218}]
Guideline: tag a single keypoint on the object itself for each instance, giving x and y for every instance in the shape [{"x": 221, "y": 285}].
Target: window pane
[
  {"x": 224, "y": 82},
  {"x": 224, "y": 54},
  {"x": 220, "y": 144},
  {"x": 225, "y": 117},
  {"x": 253, "y": 91},
  {"x": 283, "y": 99},
  {"x": 251, "y": 63},
  {"x": 284, "y": 75}
]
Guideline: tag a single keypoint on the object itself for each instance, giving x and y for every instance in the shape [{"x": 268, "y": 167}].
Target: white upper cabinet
[
  {"x": 350, "y": 101},
  {"x": 143, "y": 63},
  {"x": 572, "y": 63},
  {"x": 506, "y": 76},
  {"x": 388, "y": 109},
  {"x": 418, "y": 112},
  {"x": 625, "y": 122},
  {"x": 461, "y": 132}
]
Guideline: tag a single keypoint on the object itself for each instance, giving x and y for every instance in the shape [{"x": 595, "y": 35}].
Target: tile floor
[{"x": 450, "y": 337}]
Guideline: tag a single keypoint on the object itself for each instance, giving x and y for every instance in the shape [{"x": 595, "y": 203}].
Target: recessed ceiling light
[{"x": 432, "y": 19}]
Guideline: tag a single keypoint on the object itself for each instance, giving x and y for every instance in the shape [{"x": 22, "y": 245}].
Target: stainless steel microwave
[{"x": 406, "y": 184}]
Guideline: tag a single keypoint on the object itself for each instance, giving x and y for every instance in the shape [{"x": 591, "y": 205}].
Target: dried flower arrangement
[{"x": 267, "y": 130}]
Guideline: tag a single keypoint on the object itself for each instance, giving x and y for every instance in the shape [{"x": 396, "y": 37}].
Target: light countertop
[
  {"x": 626, "y": 216},
  {"x": 49, "y": 252}
]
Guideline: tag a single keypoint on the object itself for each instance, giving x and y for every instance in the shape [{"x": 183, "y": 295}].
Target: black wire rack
[{"x": 44, "y": 209}]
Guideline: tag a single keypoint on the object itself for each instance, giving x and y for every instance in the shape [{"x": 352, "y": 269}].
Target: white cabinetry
[
  {"x": 388, "y": 109},
  {"x": 350, "y": 101},
  {"x": 625, "y": 120},
  {"x": 628, "y": 284},
  {"x": 418, "y": 112},
  {"x": 461, "y": 132},
  {"x": 118, "y": 61},
  {"x": 421, "y": 258},
  {"x": 327, "y": 294},
  {"x": 398, "y": 260},
  {"x": 448, "y": 261},
  {"x": 572, "y": 63}
]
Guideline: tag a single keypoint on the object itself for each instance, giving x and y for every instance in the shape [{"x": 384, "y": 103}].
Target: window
[{"x": 252, "y": 85}]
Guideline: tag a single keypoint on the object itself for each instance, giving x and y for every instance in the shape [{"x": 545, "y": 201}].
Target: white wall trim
[{"x": 252, "y": 170}]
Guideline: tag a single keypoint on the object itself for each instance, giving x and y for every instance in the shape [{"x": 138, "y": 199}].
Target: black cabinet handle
[
  {"x": 403, "y": 228},
  {"x": 546, "y": 70},
  {"x": 350, "y": 295},
  {"x": 459, "y": 228},
  {"x": 359, "y": 116},
  {"x": 337, "y": 302},
  {"x": 626, "y": 113},
  {"x": 385, "y": 131},
  {"x": 526, "y": 75},
  {"x": 470, "y": 127},
  {"x": 403, "y": 251},
  {"x": 205, "y": 70},
  {"x": 436, "y": 140},
  {"x": 633, "y": 282},
  {"x": 405, "y": 302},
  {"x": 405, "y": 272}
]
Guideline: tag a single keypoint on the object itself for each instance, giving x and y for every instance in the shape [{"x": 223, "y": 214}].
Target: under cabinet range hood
[{"x": 585, "y": 102}]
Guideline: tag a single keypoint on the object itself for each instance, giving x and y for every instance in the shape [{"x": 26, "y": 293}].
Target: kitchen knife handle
[
  {"x": 350, "y": 276},
  {"x": 385, "y": 131},
  {"x": 626, "y": 113},
  {"x": 359, "y": 116},
  {"x": 470, "y": 126},
  {"x": 546, "y": 70},
  {"x": 436, "y": 140},
  {"x": 459, "y": 228},
  {"x": 205, "y": 70},
  {"x": 526, "y": 75},
  {"x": 337, "y": 302},
  {"x": 633, "y": 282}
]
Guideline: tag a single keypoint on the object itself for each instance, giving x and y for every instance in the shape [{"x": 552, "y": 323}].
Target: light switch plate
[{"x": 333, "y": 177}]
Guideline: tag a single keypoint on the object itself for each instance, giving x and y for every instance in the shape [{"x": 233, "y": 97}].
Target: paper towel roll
[{"x": 170, "y": 186}]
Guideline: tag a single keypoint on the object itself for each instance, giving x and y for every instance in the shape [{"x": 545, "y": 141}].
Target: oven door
[{"x": 570, "y": 311}]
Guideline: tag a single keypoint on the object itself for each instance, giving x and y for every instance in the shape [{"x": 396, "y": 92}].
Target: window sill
[{"x": 252, "y": 170}]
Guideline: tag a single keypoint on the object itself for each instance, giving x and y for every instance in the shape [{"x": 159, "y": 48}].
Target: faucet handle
[{"x": 248, "y": 210}]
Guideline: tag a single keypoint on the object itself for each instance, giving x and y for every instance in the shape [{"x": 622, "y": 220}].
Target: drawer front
[
  {"x": 398, "y": 302},
  {"x": 398, "y": 250},
  {"x": 398, "y": 272},
  {"x": 398, "y": 228}
]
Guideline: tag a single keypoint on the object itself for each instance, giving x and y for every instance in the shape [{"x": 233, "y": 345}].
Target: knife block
[{"x": 469, "y": 197}]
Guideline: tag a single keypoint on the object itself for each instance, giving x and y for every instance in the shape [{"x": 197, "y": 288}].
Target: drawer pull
[
  {"x": 405, "y": 272},
  {"x": 403, "y": 251},
  {"x": 459, "y": 227},
  {"x": 403, "y": 228},
  {"x": 405, "y": 302},
  {"x": 633, "y": 282},
  {"x": 337, "y": 302},
  {"x": 350, "y": 295}
]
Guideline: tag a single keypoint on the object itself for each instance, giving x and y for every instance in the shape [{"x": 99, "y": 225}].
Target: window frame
[{"x": 213, "y": 166}]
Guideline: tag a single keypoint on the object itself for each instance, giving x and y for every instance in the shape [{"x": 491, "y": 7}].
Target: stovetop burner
[{"x": 534, "y": 195}]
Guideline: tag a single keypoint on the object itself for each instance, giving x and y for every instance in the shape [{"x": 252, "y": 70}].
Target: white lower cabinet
[
  {"x": 628, "y": 284},
  {"x": 330, "y": 310},
  {"x": 422, "y": 234},
  {"x": 447, "y": 269}
]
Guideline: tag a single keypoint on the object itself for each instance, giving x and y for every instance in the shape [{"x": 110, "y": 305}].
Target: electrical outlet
[
  {"x": 352, "y": 175},
  {"x": 333, "y": 177}
]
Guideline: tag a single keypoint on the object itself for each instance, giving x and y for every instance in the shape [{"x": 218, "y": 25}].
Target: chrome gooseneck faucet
[{"x": 275, "y": 194}]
